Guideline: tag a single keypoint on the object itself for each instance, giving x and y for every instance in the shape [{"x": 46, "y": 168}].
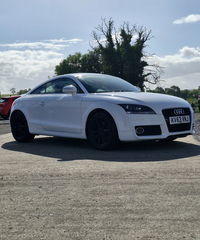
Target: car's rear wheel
[
  {"x": 19, "y": 128},
  {"x": 102, "y": 132}
]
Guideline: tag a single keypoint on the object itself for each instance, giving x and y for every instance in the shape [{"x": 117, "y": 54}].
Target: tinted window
[
  {"x": 56, "y": 86},
  {"x": 105, "y": 83},
  {"x": 3, "y": 100},
  {"x": 40, "y": 90}
]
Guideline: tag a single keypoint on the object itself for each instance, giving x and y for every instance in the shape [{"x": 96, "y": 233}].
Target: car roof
[{"x": 75, "y": 75}]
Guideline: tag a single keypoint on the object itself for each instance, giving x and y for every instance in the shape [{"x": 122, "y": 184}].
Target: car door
[{"x": 58, "y": 111}]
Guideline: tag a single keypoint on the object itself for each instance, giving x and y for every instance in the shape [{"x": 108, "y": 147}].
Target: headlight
[{"x": 137, "y": 109}]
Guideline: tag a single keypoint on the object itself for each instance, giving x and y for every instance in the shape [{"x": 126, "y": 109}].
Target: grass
[
  {"x": 7, "y": 95},
  {"x": 196, "y": 110}
]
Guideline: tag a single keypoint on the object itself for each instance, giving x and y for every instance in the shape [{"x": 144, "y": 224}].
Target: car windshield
[{"x": 105, "y": 83}]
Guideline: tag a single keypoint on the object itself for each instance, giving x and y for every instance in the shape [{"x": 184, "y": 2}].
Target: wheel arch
[
  {"x": 94, "y": 111},
  {"x": 16, "y": 111},
  {"x": 19, "y": 127}
]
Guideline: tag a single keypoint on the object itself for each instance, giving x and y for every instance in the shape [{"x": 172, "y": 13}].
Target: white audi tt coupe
[{"x": 101, "y": 108}]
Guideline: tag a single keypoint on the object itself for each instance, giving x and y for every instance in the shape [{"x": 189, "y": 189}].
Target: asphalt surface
[{"x": 58, "y": 188}]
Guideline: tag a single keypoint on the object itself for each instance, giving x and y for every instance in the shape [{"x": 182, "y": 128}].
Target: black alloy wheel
[
  {"x": 19, "y": 128},
  {"x": 102, "y": 132}
]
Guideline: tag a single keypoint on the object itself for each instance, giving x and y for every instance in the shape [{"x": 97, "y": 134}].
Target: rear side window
[
  {"x": 40, "y": 90},
  {"x": 3, "y": 100},
  {"x": 14, "y": 99}
]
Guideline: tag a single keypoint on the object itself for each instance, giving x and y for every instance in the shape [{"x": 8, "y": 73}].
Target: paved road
[
  {"x": 4, "y": 126},
  {"x": 56, "y": 188}
]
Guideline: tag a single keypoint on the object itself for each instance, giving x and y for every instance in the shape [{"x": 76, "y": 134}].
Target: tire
[
  {"x": 102, "y": 132},
  {"x": 5, "y": 117},
  {"x": 19, "y": 128}
]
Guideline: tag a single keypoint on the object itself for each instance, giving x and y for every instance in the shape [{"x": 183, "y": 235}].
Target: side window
[
  {"x": 40, "y": 90},
  {"x": 68, "y": 81},
  {"x": 56, "y": 86},
  {"x": 53, "y": 87}
]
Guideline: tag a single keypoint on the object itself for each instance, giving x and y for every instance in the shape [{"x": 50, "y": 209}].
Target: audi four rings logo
[{"x": 179, "y": 111}]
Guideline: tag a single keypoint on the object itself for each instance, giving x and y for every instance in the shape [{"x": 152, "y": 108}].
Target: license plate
[{"x": 179, "y": 119}]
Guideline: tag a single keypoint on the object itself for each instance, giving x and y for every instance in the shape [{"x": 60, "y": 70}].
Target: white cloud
[
  {"x": 62, "y": 40},
  {"x": 46, "y": 44},
  {"x": 181, "y": 69},
  {"x": 26, "y": 64},
  {"x": 189, "y": 19},
  {"x": 25, "y": 69},
  {"x": 189, "y": 52}
]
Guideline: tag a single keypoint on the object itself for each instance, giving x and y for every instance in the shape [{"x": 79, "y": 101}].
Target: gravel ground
[{"x": 64, "y": 189}]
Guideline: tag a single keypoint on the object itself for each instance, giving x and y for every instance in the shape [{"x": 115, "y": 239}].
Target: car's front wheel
[
  {"x": 19, "y": 128},
  {"x": 102, "y": 132}
]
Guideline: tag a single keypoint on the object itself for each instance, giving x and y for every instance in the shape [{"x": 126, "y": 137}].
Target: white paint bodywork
[{"x": 66, "y": 114}]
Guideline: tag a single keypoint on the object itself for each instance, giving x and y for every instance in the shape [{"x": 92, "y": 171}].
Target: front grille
[{"x": 177, "y": 127}]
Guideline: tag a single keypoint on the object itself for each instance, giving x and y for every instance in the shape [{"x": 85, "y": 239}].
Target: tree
[
  {"x": 71, "y": 64},
  {"x": 176, "y": 91},
  {"x": 185, "y": 93},
  {"x": 91, "y": 62},
  {"x": 194, "y": 93},
  {"x": 124, "y": 58},
  {"x": 159, "y": 90},
  {"x": 13, "y": 90},
  {"x": 23, "y": 91},
  {"x": 116, "y": 54}
]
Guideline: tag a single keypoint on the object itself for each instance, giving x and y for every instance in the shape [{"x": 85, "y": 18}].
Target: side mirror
[{"x": 70, "y": 89}]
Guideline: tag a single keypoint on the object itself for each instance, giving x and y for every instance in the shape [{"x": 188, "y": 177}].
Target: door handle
[{"x": 42, "y": 104}]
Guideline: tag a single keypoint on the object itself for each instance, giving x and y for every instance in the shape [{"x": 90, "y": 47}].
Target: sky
[{"x": 35, "y": 36}]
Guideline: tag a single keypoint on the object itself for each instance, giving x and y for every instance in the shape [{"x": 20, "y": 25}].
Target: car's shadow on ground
[{"x": 64, "y": 149}]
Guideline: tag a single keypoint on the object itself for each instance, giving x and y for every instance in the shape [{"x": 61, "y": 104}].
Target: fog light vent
[
  {"x": 139, "y": 130},
  {"x": 149, "y": 130}
]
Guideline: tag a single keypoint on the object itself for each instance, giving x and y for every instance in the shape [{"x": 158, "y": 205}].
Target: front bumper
[{"x": 155, "y": 127}]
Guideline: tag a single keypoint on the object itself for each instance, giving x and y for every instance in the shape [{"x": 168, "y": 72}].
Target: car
[
  {"x": 101, "y": 108},
  {"x": 5, "y": 106},
  {"x": 199, "y": 102}
]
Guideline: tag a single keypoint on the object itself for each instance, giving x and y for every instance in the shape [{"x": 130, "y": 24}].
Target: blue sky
[{"x": 37, "y": 35}]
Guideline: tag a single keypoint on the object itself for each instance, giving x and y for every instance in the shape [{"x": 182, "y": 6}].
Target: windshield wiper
[{"x": 123, "y": 91}]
